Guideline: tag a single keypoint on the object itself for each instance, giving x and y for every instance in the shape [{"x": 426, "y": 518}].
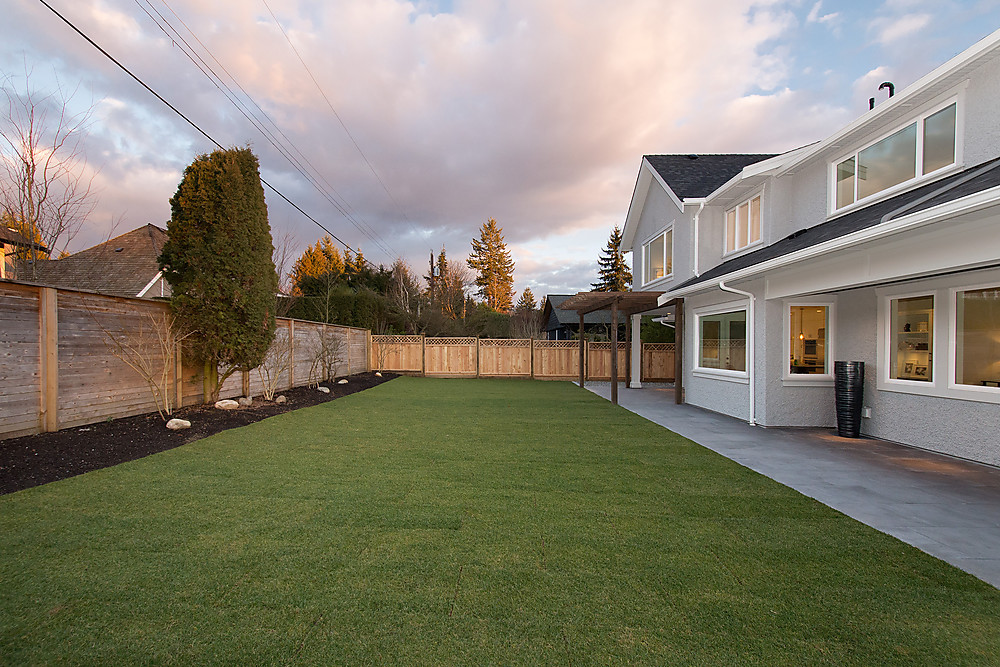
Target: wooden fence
[
  {"x": 58, "y": 371},
  {"x": 524, "y": 358}
]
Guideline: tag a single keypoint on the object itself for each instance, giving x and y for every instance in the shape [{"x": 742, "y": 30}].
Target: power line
[
  {"x": 186, "y": 119},
  {"x": 209, "y": 72},
  {"x": 339, "y": 119}
]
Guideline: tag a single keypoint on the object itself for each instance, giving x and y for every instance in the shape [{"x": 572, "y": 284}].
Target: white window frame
[
  {"x": 942, "y": 384},
  {"x": 725, "y": 225},
  {"x": 742, "y": 377},
  {"x": 818, "y": 379},
  {"x": 645, "y": 249},
  {"x": 991, "y": 394},
  {"x": 958, "y": 99}
]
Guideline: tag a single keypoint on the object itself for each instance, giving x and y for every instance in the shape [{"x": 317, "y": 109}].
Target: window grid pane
[
  {"x": 755, "y": 220},
  {"x": 939, "y": 140},
  {"x": 888, "y": 162},
  {"x": 912, "y": 347},
  {"x": 668, "y": 251},
  {"x": 731, "y": 231},
  {"x": 845, "y": 183}
]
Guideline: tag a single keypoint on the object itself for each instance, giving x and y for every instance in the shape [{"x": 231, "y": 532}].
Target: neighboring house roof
[
  {"x": 569, "y": 317},
  {"x": 697, "y": 176},
  {"x": 10, "y": 236},
  {"x": 123, "y": 266},
  {"x": 958, "y": 185}
]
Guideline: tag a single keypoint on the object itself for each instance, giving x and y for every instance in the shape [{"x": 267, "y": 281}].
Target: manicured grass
[{"x": 465, "y": 522}]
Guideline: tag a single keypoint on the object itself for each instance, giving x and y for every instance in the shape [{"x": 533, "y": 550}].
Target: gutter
[{"x": 751, "y": 302}]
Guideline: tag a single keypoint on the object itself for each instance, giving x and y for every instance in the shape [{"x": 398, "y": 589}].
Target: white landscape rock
[
  {"x": 227, "y": 404},
  {"x": 378, "y": 374},
  {"x": 344, "y": 381},
  {"x": 245, "y": 401},
  {"x": 178, "y": 424},
  {"x": 280, "y": 399},
  {"x": 325, "y": 390}
]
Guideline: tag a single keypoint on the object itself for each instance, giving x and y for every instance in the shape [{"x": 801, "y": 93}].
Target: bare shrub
[
  {"x": 327, "y": 353},
  {"x": 276, "y": 363},
  {"x": 150, "y": 351}
]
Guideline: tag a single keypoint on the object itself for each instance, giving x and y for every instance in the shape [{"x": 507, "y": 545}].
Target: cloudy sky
[{"x": 420, "y": 120}]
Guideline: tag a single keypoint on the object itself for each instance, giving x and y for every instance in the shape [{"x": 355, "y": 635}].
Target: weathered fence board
[
  {"x": 505, "y": 357},
  {"x": 657, "y": 362},
  {"x": 57, "y": 369},
  {"x": 556, "y": 359},
  {"x": 599, "y": 361}
]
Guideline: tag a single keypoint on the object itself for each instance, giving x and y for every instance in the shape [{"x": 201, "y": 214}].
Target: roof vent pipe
[{"x": 882, "y": 86}]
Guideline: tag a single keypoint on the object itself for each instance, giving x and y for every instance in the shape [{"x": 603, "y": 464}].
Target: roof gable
[{"x": 697, "y": 176}]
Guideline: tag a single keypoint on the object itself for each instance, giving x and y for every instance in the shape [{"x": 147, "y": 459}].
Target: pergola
[{"x": 627, "y": 303}]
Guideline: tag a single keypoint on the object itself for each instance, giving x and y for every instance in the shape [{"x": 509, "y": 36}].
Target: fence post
[
  {"x": 423, "y": 355},
  {"x": 349, "y": 365},
  {"x": 531, "y": 357},
  {"x": 246, "y": 383},
  {"x": 477, "y": 356},
  {"x": 48, "y": 359},
  {"x": 368, "y": 350},
  {"x": 291, "y": 353}
]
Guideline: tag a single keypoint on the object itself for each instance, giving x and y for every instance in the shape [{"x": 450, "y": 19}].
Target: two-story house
[{"x": 880, "y": 243}]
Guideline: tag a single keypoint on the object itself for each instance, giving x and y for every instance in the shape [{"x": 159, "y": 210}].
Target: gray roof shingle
[
  {"x": 695, "y": 176},
  {"x": 122, "y": 266},
  {"x": 964, "y": 183}
]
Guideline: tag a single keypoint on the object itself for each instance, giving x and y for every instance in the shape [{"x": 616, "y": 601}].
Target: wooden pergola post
[
  {"x": 614, "y": 352},
  {"x": 628, "y": 350},
  {"x": 583, "y": 343}
]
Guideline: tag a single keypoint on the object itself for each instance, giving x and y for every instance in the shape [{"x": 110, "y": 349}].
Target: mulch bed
[{"x": 46, "y": 457}]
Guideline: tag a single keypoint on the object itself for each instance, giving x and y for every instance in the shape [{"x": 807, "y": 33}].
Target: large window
[
  {"x": 722, "y": 341},
  {"x": 977, "y": 337},
  {"x": 912, "y": 344},
  {"x": 920, "y": 148},
  {"x": 807, "y": 346},
  {"x": 743, "y": 225},
  {"x": 657, "y": 257}
]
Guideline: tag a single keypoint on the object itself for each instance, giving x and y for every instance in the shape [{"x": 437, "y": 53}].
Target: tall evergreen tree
[
  {"x": 615, "y": 275},
  {"x": 491, "y": 259},
  {"x": 526, "y": 303},
  {"x": 217, "y": 259}
]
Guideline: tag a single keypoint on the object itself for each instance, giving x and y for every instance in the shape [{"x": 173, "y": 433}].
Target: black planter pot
[{"x": 849, "y": 387}]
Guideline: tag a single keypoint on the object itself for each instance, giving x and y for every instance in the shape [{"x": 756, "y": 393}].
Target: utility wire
[
  {"x": 209, "y": 72},
  {"x": 339, "y": 119},
  {"x": 188, "y": 120}
]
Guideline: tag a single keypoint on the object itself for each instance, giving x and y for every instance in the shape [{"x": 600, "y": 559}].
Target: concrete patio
[{"x": 947, "y": 507}]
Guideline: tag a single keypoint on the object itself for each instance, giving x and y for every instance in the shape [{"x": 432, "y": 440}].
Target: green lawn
[{"x": 465, "y": 522}]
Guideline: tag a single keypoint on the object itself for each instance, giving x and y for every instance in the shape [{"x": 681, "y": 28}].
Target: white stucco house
[{"x": 880, "y": 243}]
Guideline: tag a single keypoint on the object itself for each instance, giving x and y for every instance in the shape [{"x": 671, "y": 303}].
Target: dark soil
[{"x": 39, "y": 459}]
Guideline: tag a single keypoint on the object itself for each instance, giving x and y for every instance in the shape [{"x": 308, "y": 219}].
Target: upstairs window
[
  {"x": 743, "y": 225},
  {"x": 922, "y": 147},
  {"x": 658, "y": 257}
]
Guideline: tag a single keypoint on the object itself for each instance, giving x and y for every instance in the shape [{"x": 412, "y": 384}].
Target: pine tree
[
  {"x": 217, "y": 259},
  {"x": 526, "y": 303},
  {"x": 491, "y": 259},
  {"x": 615, "y": 275}
]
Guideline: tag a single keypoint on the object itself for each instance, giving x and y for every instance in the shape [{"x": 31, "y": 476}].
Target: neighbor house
[
  {"x": 123, "y": 266},
  {"x": 880, "y": 243},
  {"x": 13, "y": 244}
]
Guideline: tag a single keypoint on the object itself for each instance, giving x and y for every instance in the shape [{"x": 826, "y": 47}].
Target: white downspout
[
  {"x": 697, "y": 214},
  {"x": 750, "y": 342}
]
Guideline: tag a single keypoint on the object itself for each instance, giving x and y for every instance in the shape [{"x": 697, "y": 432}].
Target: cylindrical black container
[{"x": 849, "y": 387}]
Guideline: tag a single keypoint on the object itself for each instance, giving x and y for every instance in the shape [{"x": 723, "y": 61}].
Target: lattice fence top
[
  {"x": 659, "y": 347},
  {"x": 393, "y": 340},
  {"x": 450, "y": 341},
  {"x": 556, "y": 344},
  {"x": 606, "y": 346},
  {"x": 505, "y": 342}
]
